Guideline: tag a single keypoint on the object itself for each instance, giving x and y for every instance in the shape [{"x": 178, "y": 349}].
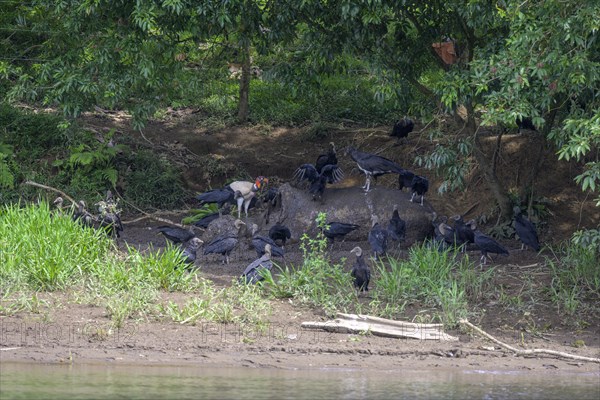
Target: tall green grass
[
  {"x": 318, "y": 282},
  {"x": 575, "y": 271},
  {"x": 443, "y": 280},
  {"x": 43, "y": 250}
]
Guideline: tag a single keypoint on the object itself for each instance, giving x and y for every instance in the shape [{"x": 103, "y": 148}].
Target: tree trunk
[
  {"x": 243, "y": 106},
  {"x": 487, "y": 166}
]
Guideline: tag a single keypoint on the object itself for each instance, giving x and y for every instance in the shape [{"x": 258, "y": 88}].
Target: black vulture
[
  {"x": 338, "y": 230},
  {"x": 372, "y": 165},
  {"x": 464, "y": 232},
  {"x": 82, "y": 215},
  {"x": 225, "y": 243},
  {"x": 419, "y": 186},
  {"x": 330, "y": 173},
  {"x": 402, "y": 128},
  {"x": 308, "y": 172},
  {"x": 405, "y": 179},
  {"x": 488, "y": 245},
  {"x": 377, "y": 238},
  {"x": 245, "y": 191},
  {"x": 58, "y": 203},
  {"x": 280, "y": 232},
  {"x": 259, "y": 243},
  {"x": 189, "y": 250},
  {"x": 396, "y": 226},
  {"x": 176, "y": 234},
  {"x": 445, "y": 235},
  {"x": 525, "y": 123},
  {"x": 329, "y": 158},
  {"x": 317, "y": 188},
  {"x": 360, "y": 271},
  {"x": 272, "y": 196},
  {"x": 220, "y": 197},
  {"x": 206, "y": 220},
  {"x": 526, "y": 231},
  {"x": 254, "y": 272}
]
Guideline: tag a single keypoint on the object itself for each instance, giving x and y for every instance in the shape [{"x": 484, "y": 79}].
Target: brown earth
[{"x": 71, "y": 332}]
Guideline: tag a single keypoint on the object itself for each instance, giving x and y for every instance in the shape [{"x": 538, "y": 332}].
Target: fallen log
[{"x": 352, "y": 323}]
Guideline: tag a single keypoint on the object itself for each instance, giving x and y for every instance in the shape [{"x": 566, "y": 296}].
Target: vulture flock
[{"x": 314, "y": 178}]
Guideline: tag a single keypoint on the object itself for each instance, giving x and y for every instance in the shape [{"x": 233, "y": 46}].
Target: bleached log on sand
[{"x": 352, "y": 323}]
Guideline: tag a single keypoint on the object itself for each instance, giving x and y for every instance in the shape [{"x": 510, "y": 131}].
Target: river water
[{"x": 89, "y": 381}]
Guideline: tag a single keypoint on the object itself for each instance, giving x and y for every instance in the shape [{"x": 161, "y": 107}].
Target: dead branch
[
  {"x": 352, "y": 323},
  {"x": 63, "y": 194},
  {"x": 531, "y": 351}
]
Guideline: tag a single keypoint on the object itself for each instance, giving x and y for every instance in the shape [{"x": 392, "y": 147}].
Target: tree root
[{"x": 528, "y": 352}]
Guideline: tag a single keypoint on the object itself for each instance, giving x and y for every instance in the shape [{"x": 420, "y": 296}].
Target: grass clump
[
  {"x": 575, "y": 272},
  {"x": 317, "y": 282},
  {"x": 429, "y": 277},
  {"x": 44, "y": 250}
]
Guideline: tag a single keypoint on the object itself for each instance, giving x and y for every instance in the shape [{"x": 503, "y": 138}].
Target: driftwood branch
[
  {"x": 63, "y": 194},
  {"x": 146, "y": 215},
  {"x": 528, "y": 352},
  {"x": 352, "y": 323}
]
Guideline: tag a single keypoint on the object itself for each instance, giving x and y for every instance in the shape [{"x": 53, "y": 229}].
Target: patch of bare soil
[{"x": 70, "y": 332}]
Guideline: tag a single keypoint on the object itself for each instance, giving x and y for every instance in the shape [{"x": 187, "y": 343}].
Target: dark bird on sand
[
  {"x": 254, "y": 272},
  {"x": 372, "y": 165},
  {"x": 82, "y": 215},
  {"x": 176, "y": 234},
  {"x": 526, "y": 231},
  {"x": 335, "y": 230},
  {"x": 405, "y": 179},
  {"x": 402, "y": 128},
  {"x": 189, "y": 250},
  {"x": 224, "y": 244},
  {"x": 377, "y": 238},
  {"x": 488, "y": 245},
  {"x": 464, "y": 232},
  {"x": 220, "y": 197},
  {"x": 525, "y": 123},
  {"x": 360, "y": 271},
  {"x": 329, "y": 158},
  {"x": 259, "y": 243},
  {"x": 330, "y": 173},
  {"x": 444, "y": 234},
  {"x": 207, "y": 219},
  {"x": 280, "y": 232},
  {"x": 419, "y": 186},
  {"x": 396, "y": 226}
]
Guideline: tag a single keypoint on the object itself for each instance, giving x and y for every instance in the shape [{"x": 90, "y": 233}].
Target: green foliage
[
  {"x": 575, "y": 276},
  {"x": 152, "y": 181},
  {"x": 45, "y": 251},
  {"x": 95, "y": 161},
  {"x": 317, "y": 282},
  {"x": 433, "y": 278},
  {"x": 587, "y": 238},
  {"x": 7, "y": 178},
  {"x": 450, "y": 160}
]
